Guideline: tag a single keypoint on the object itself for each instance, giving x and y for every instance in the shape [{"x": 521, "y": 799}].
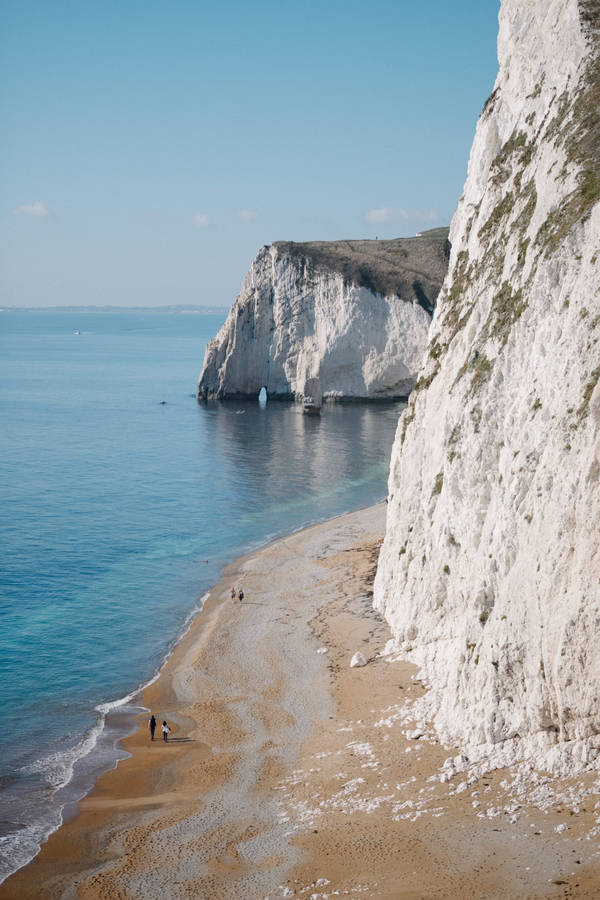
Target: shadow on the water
[{"x": 283, "y": 457}]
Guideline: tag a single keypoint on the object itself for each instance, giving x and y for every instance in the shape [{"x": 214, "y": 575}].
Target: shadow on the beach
[{"x": 181, "y": 740}]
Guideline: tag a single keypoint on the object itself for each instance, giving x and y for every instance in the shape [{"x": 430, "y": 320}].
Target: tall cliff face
[
  {"x": 490, "y": 570},
  {"x": 354, "y": 314}
]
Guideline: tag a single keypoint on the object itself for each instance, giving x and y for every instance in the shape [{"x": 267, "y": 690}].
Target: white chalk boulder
[{"x": 357, "y": 660}]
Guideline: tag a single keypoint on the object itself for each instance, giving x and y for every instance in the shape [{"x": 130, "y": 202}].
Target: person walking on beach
[
  {"x": 165, "y": 731},
  {"x": 240, "y": 595},
  {"x": 233, "y": 593},
  {"x": 152, "y": 726}
]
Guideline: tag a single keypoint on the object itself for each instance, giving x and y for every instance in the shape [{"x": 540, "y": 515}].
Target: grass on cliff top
[
  {"x": 588, "y": 391},
  {"x": 577, "y": 129},
  {"x": 516, "y": 150},
  {"x": 412, "y": 268},
  {"x": 576, "y": 208},
  {"x": 589, "y": 13},
  {"x": 507, "y": 307},
  {"x": 480, "y": 368}
]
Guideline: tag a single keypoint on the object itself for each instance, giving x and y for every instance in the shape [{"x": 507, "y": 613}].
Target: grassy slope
[{"x": 412, "y": 268}]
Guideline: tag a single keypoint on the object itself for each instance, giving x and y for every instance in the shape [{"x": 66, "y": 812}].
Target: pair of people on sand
[
  {"x": 240, "y": 594},
  {"x": 152, "y": 726}
]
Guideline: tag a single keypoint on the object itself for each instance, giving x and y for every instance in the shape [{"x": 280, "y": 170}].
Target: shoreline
[
  {"x": 116, "y": 721},
  {"x": 130, "y": 704},
  {"x": 290, "y": 773},
  {"x": 119, "y": 719}
]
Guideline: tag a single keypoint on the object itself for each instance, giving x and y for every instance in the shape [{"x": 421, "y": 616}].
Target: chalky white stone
[
  {"x": 357, "y": 660},
  {"x": 489, "y": 574}
]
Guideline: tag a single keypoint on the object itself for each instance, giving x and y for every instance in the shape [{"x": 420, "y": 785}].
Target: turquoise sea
[{"x": 118, "y": 512}]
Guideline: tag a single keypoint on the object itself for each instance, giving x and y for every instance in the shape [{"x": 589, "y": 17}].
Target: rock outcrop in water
[
  {"x": 490, "y": 570},
  {"x": 354, "y": 314}
]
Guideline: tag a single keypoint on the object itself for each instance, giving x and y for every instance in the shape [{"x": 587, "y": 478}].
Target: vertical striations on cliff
[
  {"x": 353, "y": 314},
  {"x": 490, "y": 570}
]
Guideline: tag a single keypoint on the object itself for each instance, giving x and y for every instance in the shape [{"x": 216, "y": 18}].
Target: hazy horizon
[
  {"x": 150, "y": 152},
  {"x": 181, "y": 307}
]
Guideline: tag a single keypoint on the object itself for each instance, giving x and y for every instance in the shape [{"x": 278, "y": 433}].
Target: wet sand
[{"x": 287, "y": 773}]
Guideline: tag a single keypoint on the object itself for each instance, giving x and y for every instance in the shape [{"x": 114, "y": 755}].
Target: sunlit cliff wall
[{"x": 490, "y": 570}]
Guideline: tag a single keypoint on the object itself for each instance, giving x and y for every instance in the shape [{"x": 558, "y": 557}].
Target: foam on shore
[
  {"x": 70, "y": 774},
  {"x": 289, "y": 773}
]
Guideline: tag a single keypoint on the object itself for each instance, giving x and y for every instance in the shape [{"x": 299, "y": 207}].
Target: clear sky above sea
[{"x": 150, "y": 148}]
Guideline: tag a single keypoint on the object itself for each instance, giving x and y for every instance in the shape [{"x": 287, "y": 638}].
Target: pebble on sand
[{"x": 357, "y": 660}]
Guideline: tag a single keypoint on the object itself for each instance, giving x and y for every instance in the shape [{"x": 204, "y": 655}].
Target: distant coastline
[{"x": 179, "y": 309}]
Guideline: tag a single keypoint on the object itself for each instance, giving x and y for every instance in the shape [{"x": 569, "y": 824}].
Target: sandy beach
[{"x": 288, "y": 773}]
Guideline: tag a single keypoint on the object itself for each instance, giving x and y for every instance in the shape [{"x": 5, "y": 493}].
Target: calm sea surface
[{"x": 118, "y": 512}]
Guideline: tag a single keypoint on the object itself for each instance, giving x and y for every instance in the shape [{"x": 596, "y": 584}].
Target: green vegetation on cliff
[{"x": 412, "y": 268}]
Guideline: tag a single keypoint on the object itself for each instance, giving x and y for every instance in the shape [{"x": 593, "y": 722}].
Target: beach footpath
[{"x": 289, "y": 773}]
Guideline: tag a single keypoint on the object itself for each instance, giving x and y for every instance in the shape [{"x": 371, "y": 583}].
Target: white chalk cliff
[
  {"x": 354, "y": 314},
  {"x": 489, "y": 574}
]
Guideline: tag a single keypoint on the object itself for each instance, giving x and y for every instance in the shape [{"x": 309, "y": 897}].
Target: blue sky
[{"x": 150, "y": 148}]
